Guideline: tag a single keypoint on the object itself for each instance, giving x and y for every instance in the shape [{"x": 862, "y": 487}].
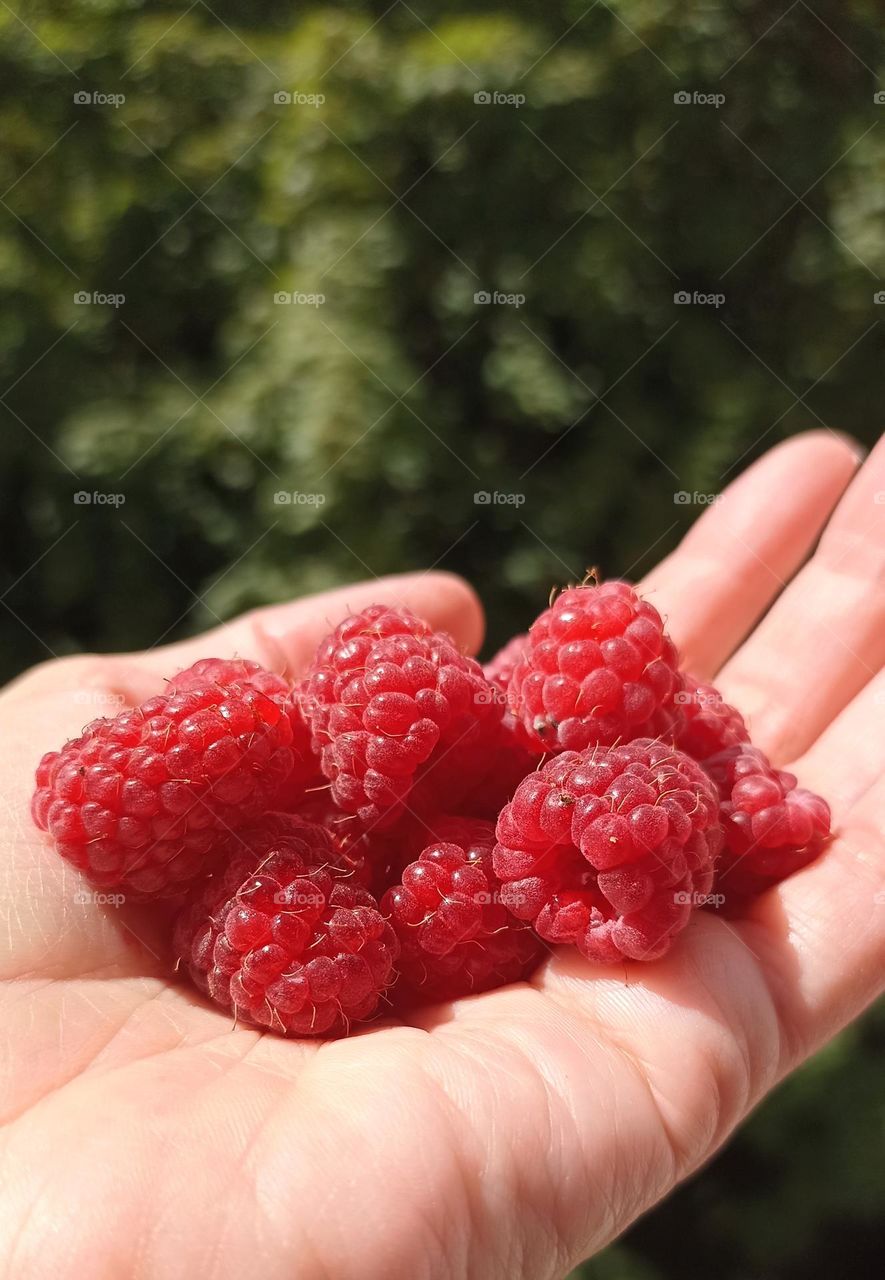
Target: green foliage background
[{"x": 398, "y": 198}]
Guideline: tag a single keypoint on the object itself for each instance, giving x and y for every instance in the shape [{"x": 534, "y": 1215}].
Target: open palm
[{"x": 509, "y": 1134}]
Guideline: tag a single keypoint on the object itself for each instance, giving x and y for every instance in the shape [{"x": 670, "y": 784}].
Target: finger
[
  {"x": 824, "y": 639},
  {"x": 282, "y": 637},
  {"x": 823, "y": 929},
  {"x": 835, "y": 909},
  {"x": 825, "y": 955},
  {"x": 738, "y": 556},
  {"x": 849, "y": 756}
]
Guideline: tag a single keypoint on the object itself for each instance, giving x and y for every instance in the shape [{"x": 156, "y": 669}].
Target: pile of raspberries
[{"x": 402, "y": 825}]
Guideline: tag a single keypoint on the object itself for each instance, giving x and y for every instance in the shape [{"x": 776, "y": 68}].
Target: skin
[{"x": 510, "y": 1134}]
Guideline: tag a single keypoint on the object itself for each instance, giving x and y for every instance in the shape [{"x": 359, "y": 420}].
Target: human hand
[{"x": 509, "y": 1134}]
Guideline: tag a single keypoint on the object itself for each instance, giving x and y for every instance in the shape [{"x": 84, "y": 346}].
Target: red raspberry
[
  {"x": 499, "y": 669},
  {"x": 456, "y": 937},
  {"x": 137, "y": 802},
  {"x": 772, "y": 827},
  {"x": 386, "y": 698},
  {"x": 711, "y": 724},
  {"x": 281, "y": 939},
  {"x": 609, "y": 849},
  {"x": 598, "y": 669}
]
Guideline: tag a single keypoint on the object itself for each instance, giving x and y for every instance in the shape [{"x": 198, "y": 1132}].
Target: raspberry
[
  {"x": 597, "y": 669},
  {"x": 710, "y": 724},
  {"x": 387, "y": 698},
  {"x": 772, "y": 827},
  {"x": 137, "y": 801},
  {"x": 499, "y": 669},
  {"x": 456, "y": 937},
  {"x": 283, "y": 940},
  {"x": 609, "y": 849}
]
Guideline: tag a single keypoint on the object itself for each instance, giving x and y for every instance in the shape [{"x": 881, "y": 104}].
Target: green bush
[
  {"x": 398, "y": 198},
  {"x": 397, "y": 399}
]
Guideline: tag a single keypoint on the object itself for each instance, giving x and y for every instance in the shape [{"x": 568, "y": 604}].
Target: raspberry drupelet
[
  {"x": 610, "y": 848},
  {"x": 597, "y": 669},
  {"x": 283, "y": 939},
  {"x": 772, "y": 827},
  {"x": 456, "y": 937},
  {"x": 138, "y": 801},
  {"x": 388, "y": 699}
]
